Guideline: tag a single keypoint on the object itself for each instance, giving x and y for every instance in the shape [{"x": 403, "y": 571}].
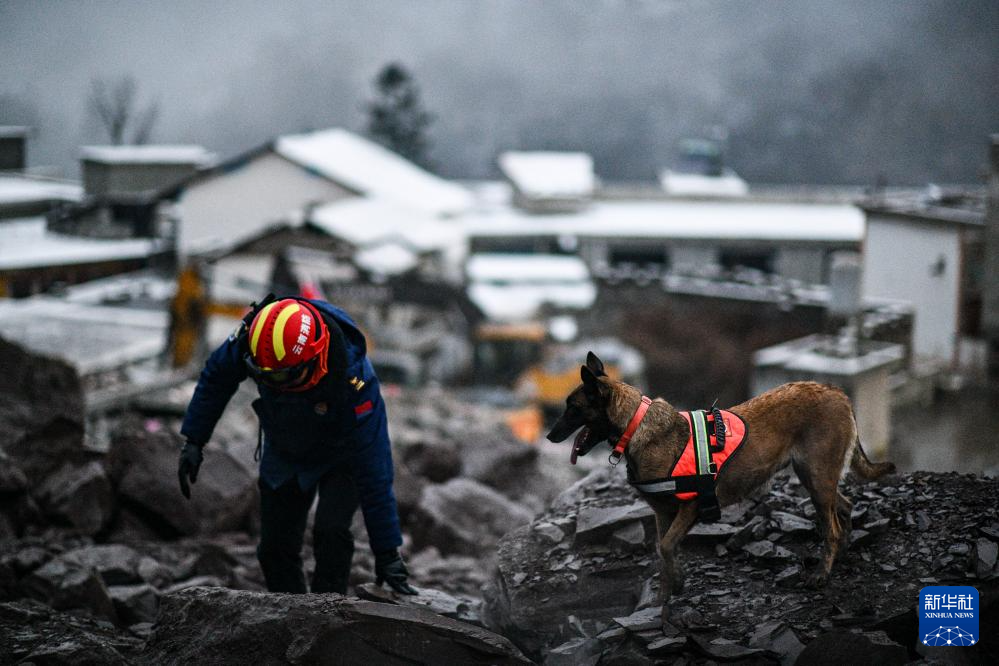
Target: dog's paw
[
  {"x": 665, "y": 615},
  {"x": 817, "y": 580}
]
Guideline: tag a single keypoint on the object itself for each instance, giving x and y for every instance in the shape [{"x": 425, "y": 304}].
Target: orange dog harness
[{"x": 714, "y": 436}]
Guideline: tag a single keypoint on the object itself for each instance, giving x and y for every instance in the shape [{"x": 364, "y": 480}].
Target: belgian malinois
[{"x": 809, "y": 425}]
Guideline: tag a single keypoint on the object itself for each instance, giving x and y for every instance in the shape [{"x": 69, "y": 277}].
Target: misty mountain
[{"x": 808, "y": 91}]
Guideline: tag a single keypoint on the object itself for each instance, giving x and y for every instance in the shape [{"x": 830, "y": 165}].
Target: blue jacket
[{"x": 307, "y": 434}]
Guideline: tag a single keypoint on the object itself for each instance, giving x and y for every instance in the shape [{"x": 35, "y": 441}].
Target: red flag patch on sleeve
[{"x": 363, "y": 408}]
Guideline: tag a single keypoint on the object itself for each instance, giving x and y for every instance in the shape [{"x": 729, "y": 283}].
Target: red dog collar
[{"x": 636, "y": 419}]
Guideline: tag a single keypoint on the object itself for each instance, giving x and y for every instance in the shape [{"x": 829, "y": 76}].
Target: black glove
[
  {"x": 390, "y": 568},
  {"x": 190, "y": 463}
]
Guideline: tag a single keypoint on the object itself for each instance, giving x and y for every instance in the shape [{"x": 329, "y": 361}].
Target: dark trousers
[{"x": 283, "y": 514}]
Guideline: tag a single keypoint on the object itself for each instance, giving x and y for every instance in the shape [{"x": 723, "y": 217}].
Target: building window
[
  {"x": 761, "y": 260},
  {"x": 640, "y": 256}
]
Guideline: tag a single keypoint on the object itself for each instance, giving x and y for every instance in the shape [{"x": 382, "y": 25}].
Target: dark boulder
[
  {"x": 117, "y": 564},
  {"x": 31, "y": 632},
  {"x": 64, "y": 584},
  {"x": 144, "y": 467},
  {"x": 202, "y": 625},
  {"x": 435, "y": 461},
  {"x": 80, "y": 497},
  {"x": 465, "y": 517},
  {"x": 858, "y": 649},
  {"x": 41, "y": 411}
]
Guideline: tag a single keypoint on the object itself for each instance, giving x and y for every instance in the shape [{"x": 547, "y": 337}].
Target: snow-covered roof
[
  {"x": 26, "y": 243},
  {"x": 509, "y": 287},
  {"x": 363, "y": 222},
  {"x": 698, "y": 185},
  {"x": 78, "y": 333},
  {"x": 525, "y": 268},
  {"x": 522, "y": 302},
  {"x": 14, "y": 131},
  {"x": 368, "y": 168},
  {"x": 18, "y": 190},
  {"x": 387, "y": 259},
  {"x": 709, "y": 220},
  {"x": 148, "y": 154},
  {"x": 549, "y": 175}
]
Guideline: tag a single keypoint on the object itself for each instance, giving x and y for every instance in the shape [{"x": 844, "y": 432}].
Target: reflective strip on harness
[
  {"x": 702, "y": 452},
  {"x": 656, "y": 487}
]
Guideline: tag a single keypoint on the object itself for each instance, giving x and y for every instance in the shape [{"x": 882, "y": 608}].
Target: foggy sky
[{"x": 809, "y": 91}]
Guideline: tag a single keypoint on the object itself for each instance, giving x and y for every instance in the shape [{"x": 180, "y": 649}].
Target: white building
[
  {"x": 795, "y": 240},
  {"x": 549, "y": 182},
  {"x": 926, "y": 253},
  {"x": 515, "y": 288},
  {"x": 276, "y": 182}
]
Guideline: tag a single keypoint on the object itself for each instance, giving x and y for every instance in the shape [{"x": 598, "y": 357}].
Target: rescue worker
[{"x": 324, "y": 432}]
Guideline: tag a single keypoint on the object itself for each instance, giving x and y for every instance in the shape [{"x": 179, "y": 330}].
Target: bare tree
[{"x": 115, "y": 106}]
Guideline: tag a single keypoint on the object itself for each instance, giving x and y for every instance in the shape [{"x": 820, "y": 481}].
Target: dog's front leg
[{"x": 669, "y": 578}]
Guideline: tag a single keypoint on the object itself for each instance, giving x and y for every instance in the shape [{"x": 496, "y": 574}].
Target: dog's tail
[{"x": 862, "y": 466}]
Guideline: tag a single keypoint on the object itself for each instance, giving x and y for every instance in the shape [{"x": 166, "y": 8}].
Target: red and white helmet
[{"x": 288, "y": 345}]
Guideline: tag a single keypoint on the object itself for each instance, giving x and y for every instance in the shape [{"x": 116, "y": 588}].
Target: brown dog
[{"x": 809, "y": 425}]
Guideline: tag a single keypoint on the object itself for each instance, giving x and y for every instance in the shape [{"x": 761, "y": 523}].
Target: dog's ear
[
  {"x": 595, "y": 365},
  {"x": 591, "y": 382}
]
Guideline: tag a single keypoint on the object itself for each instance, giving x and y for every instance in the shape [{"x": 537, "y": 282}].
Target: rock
[
  {"x": 789, "y": 523},
  {"x": 25, "y": 560},
  {"x": 38, "y": 441},
  {"x": 630, "y": 536},
  {"x": 577, "y": 652},
  {"x": 540, "y": 583},
  {"x": 465, "y": 517},
  {"x": 860, "y": 538},
  {"x": 116, "y": 563},
  {"x": 648, "y": 597},
  {"x": 135, "y": 603},
  {"x": 843, "y": 647},
  {"x": 778, "y": 638},
  {"x": 666, "y": 645},
  {"x": 153, "y": 572},
  {"x": 203, "y": 625},
  {"x": 12, "y": 478},
  {"x": 711, "y": 533},
  {"x": 597, "y": 523},
  {"x": 63, "y": 584},
  {"x": 751, "y": 531},
  {"x": 536, "y": 611},
  {"x": 719, "y": 648},
  {"x": 408, "y": 487},
  {"x": 493, "y": 457},
  {"x": 128, "y": 526},
  {"x": 144, "y": 465},
  {"x": 550, "y": 531},
  {"x": 877, "y": 526},
  {"x": 435, "y": 462},
  {"x": 767, "y": 550},
  {"x": 650, "y": 618},
  {"x": 985, "y": 557},
  {"x": 442, "y": 603},
  {"x": 31, "y": 632},
  {"x": 78, "y": 496},
  {"x": 789, "y": 576},
  {"x": 197, "y": 581}
]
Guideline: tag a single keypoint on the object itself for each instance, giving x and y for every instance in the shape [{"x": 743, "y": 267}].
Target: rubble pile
[
  {"x": 580, "y": 583},
  {"x": 95, "y": 538},
  {"x": 103, "y": 561}
]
